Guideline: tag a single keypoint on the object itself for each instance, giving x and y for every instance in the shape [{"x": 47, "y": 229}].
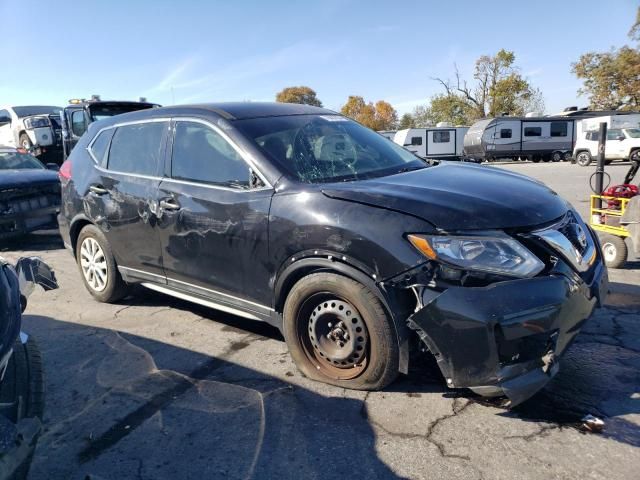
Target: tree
[
  {"x": 499, "y": 87},
  {"x": 304, "y": 95},
  {"x": 381, "y": 116},
  {"x": 611, "y": 79},
  {"x": 450, "y": 108},
  {"x": 406, "y": 121}
]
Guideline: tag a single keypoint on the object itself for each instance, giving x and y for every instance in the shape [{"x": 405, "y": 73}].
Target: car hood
[
  {"x": 26, "y": 178},
  {"x": 456, "y": 197}
]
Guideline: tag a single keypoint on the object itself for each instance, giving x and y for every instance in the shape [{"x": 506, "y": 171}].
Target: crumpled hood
[
  {"x": 457, "y": 196},
  {"x": 26, "y": 178}
]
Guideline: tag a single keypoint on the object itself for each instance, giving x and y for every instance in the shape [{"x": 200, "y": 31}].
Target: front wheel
[
  {"x": 339, "y": 333},
  {"x": 584, "y": 159},
  {"x": 614, "y": 251},
  {"x": 25, "y": 142}
]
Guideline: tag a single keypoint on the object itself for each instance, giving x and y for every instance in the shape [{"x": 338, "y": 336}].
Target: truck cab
[{"x": 79, "y": 114}]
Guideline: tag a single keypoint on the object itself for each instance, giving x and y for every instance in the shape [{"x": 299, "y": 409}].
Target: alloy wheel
[{"x": 94, "y": 264}]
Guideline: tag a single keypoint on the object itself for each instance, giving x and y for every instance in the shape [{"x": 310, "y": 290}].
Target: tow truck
[{"x": 77, "y": 116}]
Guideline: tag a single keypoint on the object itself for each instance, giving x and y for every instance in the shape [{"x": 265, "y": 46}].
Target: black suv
[{"x": 357, "y": 250}]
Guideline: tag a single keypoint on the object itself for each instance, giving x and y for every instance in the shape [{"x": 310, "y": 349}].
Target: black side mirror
[
  {"x": 621, "y": 137},
  {"x": 53, "y": 166}
]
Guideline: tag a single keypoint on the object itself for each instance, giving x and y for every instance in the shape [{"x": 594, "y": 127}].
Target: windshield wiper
[{"x": 410, "y": 169}]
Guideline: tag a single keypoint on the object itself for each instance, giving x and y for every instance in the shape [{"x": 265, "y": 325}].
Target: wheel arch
[
  {"x": 393, "y": 302},
  {"x": 75, "y": 228}
]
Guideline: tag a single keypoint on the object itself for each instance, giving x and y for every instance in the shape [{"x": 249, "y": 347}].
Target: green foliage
[
  {"x": 611, "y": 79},
  {"x": 302, "y": 94},
  {"x": 406, "y": 121}
]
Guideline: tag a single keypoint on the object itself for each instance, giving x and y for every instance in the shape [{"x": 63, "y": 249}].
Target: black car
[
  {"x": 357, "y": 250},
  {"x": 29, "y": 193}
]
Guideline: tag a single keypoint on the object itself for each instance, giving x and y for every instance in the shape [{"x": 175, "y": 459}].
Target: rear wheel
[
  {"x": 98, "y": 266},
  {"x": 614, "y": 251},
  {"x": 635, "y": 156},
  {"x": 567, "y": 156},
  {"x": 339, "y": 333},
  {"x": 536, "y": 158},
  {"x": 583, "y": 159},
  {"x": 556, "y": 157}
]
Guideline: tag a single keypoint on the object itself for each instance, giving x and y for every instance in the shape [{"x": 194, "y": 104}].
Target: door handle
[
  {"x": 98, "y": 189},
  {"x": 169, "y": 205}
]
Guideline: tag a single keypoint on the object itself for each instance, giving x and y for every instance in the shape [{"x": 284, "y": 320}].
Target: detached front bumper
[
  {"x": 506, "y": 338},
  {"x": 12, "y": 225}
]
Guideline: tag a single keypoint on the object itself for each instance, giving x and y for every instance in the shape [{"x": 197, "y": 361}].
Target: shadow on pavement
[{"x": 112, "y": 413}]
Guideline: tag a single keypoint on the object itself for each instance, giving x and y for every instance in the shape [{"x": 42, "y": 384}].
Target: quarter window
[
  {"x": 136, "y": 148},
  {"x": 202, "y": 155},
  {"x": 532, "y": 132},
  {"x": 100, "y": 145},
  {"x": 441, "y": 137},
  {"x": 505, "y": 133},
  {"x": 78, "y": 123},
  {"x": 558, "y": 129},
  {"x": 416, "y": 141},
  {"x": 592, "y": 136}
]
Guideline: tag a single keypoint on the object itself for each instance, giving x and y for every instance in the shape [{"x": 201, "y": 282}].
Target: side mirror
[
  {"x": 621, "y": 137},
  {"x": 53, "y": 166}
]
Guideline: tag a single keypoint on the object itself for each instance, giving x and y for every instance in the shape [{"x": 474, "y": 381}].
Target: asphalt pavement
[{"x": 157, "y": 388}]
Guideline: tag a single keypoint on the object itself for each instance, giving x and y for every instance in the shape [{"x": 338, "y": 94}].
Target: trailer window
[
  {"x": 441, "y": 137},
  {"x": 532, "y": 132},
  {"x": 416, "y": 140},
  {"x": 558, "y": 129},
  {"x": 505, "y": 133}
]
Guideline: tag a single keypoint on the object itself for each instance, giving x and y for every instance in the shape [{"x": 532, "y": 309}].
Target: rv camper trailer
[
  {"x": 387, "y": 133},
  {"x": 535, "y": 138},
  {"x": 443, "y": 142}
]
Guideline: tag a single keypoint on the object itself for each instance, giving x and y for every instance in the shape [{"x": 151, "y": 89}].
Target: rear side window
[
  {"x": 505, "y": 133},
  {"x": 592, "y": 136},
  {"x": 200, "y": 154},
  {"x": 558, "y": 129},
  {"x": 100, "y": 146},
  {"x": 136, "y": 148},
  {"x": 441, "y": 137},
  {"x": 532, "y": 132},
  {"x": 416, "y": 141}
]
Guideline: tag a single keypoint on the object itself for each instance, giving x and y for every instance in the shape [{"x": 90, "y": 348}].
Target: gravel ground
[{"x": 155, "y": 388}]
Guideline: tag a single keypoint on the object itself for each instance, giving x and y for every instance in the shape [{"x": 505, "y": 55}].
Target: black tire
[
  {"x": 556, "y": 157},
  {"x": 25, "y": 141},
  {"x": 614, "y": 251},
  {"x": 22, "y": 389},
  {"x": 546, "y": 158},
  {"x": 584, "y": 158},
  {"x": 567, "y": 156},
  {"x": 536, "y": 158},
  {"x": 115, "y": 288},
  {"x": 317, "y": 300},
  {"x": 634, "y": 156}
]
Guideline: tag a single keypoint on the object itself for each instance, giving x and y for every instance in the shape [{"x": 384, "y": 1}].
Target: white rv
[
  {"x": 535, "y": 138},
  {"x": 623, "y": 138},
  {"x": 441, "y": 142}
]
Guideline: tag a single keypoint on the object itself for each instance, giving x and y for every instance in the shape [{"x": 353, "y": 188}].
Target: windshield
[
  {"x": 36, "y": 110},
  {"x": 19, "y": 161},
  {"x": 633, "y": 132},
  {"x": 327, "y": 148},
  {"x": 98, "y": 112}
]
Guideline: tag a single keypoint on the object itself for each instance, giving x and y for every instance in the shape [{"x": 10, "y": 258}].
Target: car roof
[{"x": 227, "y": 110}]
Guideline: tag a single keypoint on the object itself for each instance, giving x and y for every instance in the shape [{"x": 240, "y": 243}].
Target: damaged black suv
[{"x": 357, "y": 250}]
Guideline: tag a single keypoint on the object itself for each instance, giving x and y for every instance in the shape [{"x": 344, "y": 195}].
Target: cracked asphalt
[{"x": 157, "y": 388}]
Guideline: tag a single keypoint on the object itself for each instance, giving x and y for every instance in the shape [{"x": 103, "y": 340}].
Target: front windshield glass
[
  {"x": 101, "y": 111},
  {"x": 327, "y": 148},
  {"x": 633, "y": 132},
  {"x": 19, "y": 161},
  {"x": 36, "y": 110}
]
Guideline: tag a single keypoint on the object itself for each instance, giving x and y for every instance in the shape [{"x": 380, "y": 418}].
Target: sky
[{"x": 188, "y": 51}]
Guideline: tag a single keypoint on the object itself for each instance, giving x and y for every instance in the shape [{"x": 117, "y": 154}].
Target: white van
[{"x": 623, "y": 138}]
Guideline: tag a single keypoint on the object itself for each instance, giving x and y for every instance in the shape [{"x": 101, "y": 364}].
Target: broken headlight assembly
[
  {"x": 36, "y": 122},
  {"x": 493, "y": 253}
]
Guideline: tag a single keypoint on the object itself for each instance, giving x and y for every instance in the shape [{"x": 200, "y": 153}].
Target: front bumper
[
  {"x": 12, "y": 225},
  {"x": 506, "y": 338}
]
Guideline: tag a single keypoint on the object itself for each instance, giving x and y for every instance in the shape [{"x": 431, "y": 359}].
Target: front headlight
[
  {"x": 36, "y": 122},
  {"x": 494, "y": 253}
]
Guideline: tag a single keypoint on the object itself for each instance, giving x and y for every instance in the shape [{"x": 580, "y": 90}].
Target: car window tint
[
  {"x": 136, "y": 148},
  {"x": 613, "y": 134},
  {"x": 100, "y": 145},
  {"x": 202, "y": 155}
]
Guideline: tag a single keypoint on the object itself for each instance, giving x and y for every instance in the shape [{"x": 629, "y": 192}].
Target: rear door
[
  {"x": 123, "y": 199},
  {"x": 213, "y": 219}
]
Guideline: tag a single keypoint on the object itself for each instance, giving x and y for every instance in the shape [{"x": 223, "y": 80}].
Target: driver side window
[{"x": 202, "y": 155}]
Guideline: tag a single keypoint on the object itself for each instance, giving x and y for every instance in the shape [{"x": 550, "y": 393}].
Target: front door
[
  {"x": 213, "y": 220},
  {"x": 614, "y": 147},
  {"x": 122, "y": 199}
]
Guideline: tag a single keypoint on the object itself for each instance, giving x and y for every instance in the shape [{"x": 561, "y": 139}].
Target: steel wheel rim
[
  {"x": 93, "y": 264},
  {"x": 609, "y": 252},
  {"x": 334, "y": 336},
  {"x": 583, "y": 159}
]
